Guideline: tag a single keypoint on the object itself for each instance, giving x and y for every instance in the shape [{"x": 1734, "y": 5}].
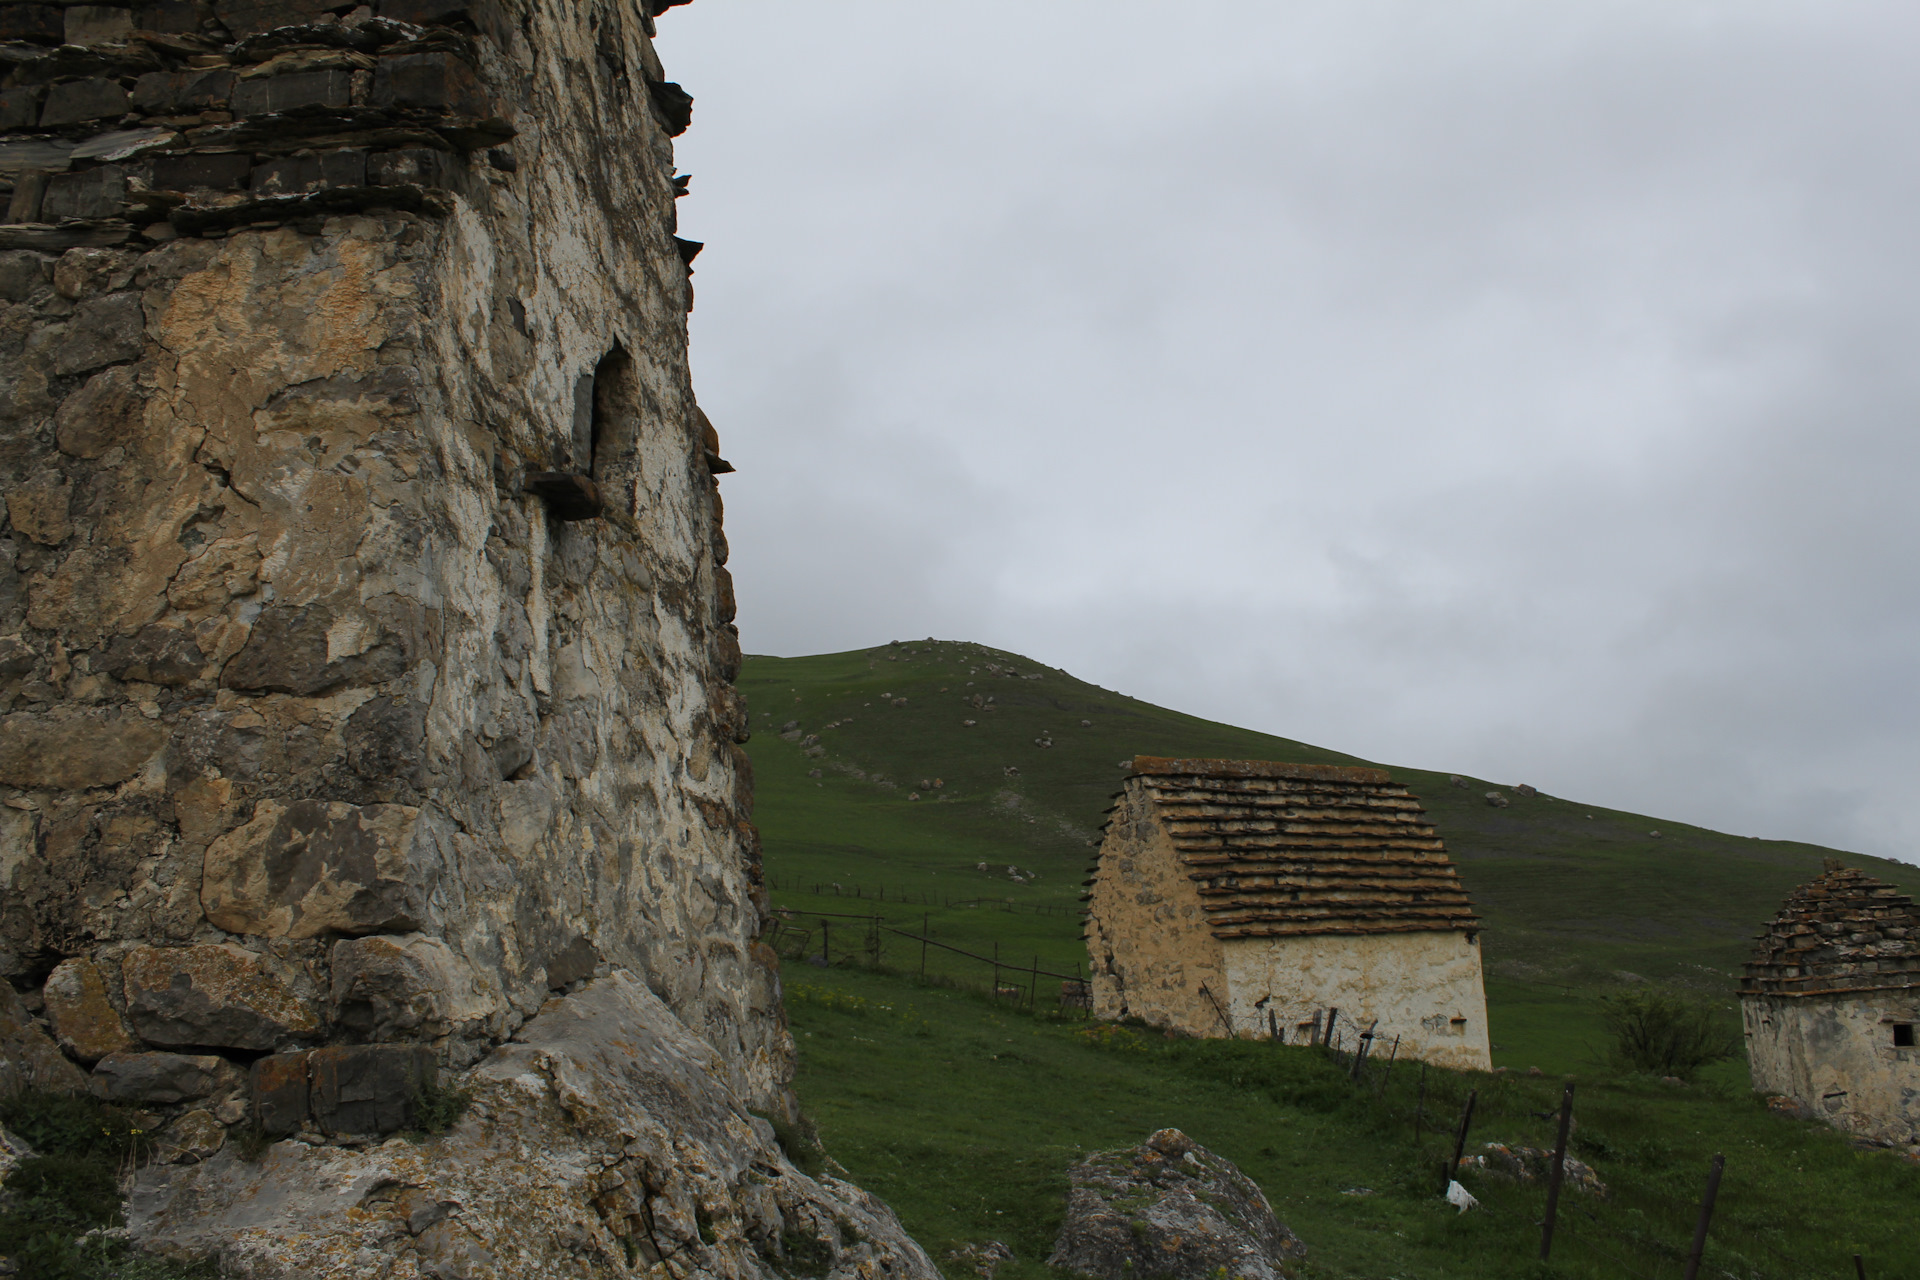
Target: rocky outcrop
[
  {"x": 366, "y": 641},
  {"x": 1170, "y": 1207},
  {"x": 600, "y": 1142}
]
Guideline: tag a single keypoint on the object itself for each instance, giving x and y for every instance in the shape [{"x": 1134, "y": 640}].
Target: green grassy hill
[
  {"x": 878, "y": 798},
  {"x": 1575, "y": 896}
]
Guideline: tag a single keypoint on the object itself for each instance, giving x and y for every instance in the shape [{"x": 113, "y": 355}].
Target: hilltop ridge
[{"x": 1019, "y": 760}]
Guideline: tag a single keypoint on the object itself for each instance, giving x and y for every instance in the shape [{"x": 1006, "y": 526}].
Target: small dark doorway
[{"x": 1903, "y": 1035}]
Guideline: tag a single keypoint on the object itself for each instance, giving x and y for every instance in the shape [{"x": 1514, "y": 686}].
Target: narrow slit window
[
  {"x": 1903, "y": 1035},
  {"x": 602, "y": 415}
]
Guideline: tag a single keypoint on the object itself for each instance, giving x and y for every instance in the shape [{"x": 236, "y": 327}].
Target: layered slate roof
[
  {"x": 1841, "y": 932},
  {"x": 1291, "y": 849}
]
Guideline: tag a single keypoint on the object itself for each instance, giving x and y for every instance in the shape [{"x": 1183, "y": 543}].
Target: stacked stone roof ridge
[
  {"x": 1841, "y": 932},
  {"x": 1291, "y": 849}
]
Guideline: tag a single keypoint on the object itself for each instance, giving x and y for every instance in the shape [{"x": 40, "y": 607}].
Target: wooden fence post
[
  {"x": 1387, "y": 1075},
  {"x": 1420, "y": 1107},
  {"x": 1333, "y": 1016},
  {"x": 1460, "y": 1140},
  {"x": 1557, "y": 1172},
  {"x": 1706, "y": 1216}
]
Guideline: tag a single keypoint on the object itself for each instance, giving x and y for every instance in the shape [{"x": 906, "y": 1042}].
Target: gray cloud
[{"x": 1501, "y": 387}]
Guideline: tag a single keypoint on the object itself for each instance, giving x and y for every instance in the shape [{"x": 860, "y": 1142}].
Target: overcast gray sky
[{"x": 1520, "y": 389}]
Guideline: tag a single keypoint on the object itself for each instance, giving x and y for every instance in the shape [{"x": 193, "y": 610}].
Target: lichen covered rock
[
  {"x": 601, "y": 1141},
  {"x": 1170, "y": 1207}
]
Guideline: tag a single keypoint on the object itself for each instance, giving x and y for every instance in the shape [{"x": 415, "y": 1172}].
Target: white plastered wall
[
  {"x": 1424, "y": 988},
  {"x": 1836, "y": 1056}
]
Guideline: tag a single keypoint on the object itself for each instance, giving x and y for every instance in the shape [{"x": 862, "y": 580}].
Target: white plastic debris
[{"x": 1460, "y": 1197}]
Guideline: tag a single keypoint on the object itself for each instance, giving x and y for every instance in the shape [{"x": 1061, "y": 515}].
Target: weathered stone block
[
  {"x": 40, "y": 23},
  {"x": 104, "y": 331},
  {"x": 78, "y": 101},
  {"x": 415, "y": 166},
  {"x": 84, "y": 1021},
  {"x": 159, "y": 1079},
  {"x": 435, "y": 81},
  {"x": 38, "y": 508},
  {"x": 194, "y": 1137},
  {"x": 163, "y": 93},
  {"x": 674, "y": 106},
  {"x": 387, "y": 988},
  {"x": 316, "y": 867},
  {"x": 89, "y": 193},
  {"x": 155, "y": 655},
  {"x": 387, "y": 739},
  {"x": 571, "y": 963},
  {"x": 19, "y": 108},
  {"x": 279, "y": 1086},
  {"x": 169, "y": 17},
  {"x": 101, "y": 415},
  {"x": 91, "y": 24},
  {"x": 367, "y": 1088},
  {"x": 217, "y": 171},
  {"x": 28, "y": 1059},
  {"x": 288, "y": 652},
  {"x": 310, "y": 173},
  {"x": 73, "y": 749},
  {"x": 211, "y": 995},
  {"x": 293, "y": 91},
  {"x": 251, "y": 17}
]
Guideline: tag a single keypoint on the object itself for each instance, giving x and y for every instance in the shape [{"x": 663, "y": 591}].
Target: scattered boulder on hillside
[
  {"x": 1086, "y": 724},
  {"x": 1457, "y": 780},
  {"x": 983, "y": 1258},
  {"x": 1497, "y": 800},
  {"x": 1531, "y": 1164},
  {"x": 1654, "y": 834},
  {"x": 1524, "y": 790},
  {"x": 1171, "y": 1208},
  {"x": 968, "y": 724}
]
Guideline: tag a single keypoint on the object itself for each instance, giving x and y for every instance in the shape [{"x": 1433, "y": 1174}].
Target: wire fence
[
  {"x": 1661, "y": 1247},
  {"x": 1430, "y": 1104},
  {"x": 813, "y": 937},
  {"x": 919, "y": 897}
]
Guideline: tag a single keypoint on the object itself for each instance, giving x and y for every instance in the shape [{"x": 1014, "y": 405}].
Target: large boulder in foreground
[
  {"x": 601, "y": 1141},
  {"x": 1170, "y": 1207}
]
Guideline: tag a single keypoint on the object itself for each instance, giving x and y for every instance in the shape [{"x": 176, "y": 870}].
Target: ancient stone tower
[
  {"x": 1830, "y": 1000},
  {"x": 367, "y": 643}
]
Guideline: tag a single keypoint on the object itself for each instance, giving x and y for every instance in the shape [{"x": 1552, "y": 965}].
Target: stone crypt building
[{"x": 1248, "y": 898}]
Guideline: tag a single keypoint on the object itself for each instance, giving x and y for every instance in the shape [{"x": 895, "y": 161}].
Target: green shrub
[
  {"x": 806, "y": 1255},
  {"x": 437, "y": 1108},
  {"x": 1663, "y": 1033},
  {"x": 801, "y": 1142},
  {"x": 72, "y": 1187},
  {"x": 72, "y": 1125}
]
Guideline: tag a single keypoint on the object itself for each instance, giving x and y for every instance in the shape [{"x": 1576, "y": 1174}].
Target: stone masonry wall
[
  {"x": 325, "y": 726},
  {"x": 1149, "y": 949}
]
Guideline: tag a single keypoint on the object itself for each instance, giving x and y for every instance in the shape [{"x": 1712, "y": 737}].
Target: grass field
[
  {"x": 965, "y": 1117},
  {"x": 877, "y": 799}
]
